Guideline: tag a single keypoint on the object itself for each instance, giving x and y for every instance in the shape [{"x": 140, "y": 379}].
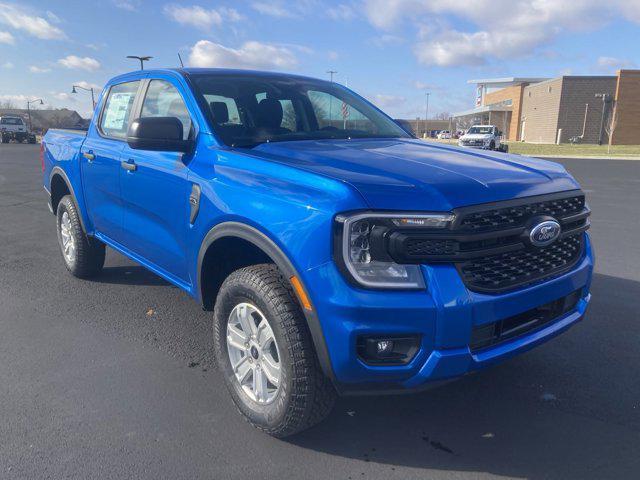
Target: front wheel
[
  {"x": 83, "y": 256},
  {"x": 492, "y": 145},
  {"x": 264, "y": 350}
]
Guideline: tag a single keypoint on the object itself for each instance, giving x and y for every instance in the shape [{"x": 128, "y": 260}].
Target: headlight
[{"x": 361, "y": 252}]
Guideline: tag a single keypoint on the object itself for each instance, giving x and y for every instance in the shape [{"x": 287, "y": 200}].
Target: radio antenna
[{"x": 180, "y": 58}]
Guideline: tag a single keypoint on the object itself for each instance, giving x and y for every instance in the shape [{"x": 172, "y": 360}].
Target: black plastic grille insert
[{"x": 510, "y": 270}]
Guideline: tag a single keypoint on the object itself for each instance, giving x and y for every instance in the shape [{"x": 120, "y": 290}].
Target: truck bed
[{"x": 64, "y": 144}]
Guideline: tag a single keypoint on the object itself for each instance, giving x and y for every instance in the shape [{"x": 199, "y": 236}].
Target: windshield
[
  {"x": 11, "y": 121},
  {"x": 481, "y": 130},
  {"x": 246, "y": 111}
]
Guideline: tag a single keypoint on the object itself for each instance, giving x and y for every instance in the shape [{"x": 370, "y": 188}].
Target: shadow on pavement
[
  {"x": 129, "y": 275},
  {"x": 569, "y": 409}
]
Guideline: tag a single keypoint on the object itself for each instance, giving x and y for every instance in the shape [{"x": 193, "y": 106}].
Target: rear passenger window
[
  {"x": 115, "y": 117},
  {"x": 164, "y": 100}
]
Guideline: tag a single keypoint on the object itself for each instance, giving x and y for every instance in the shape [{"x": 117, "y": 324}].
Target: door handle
[
  {"x": 89, "y": 156},
  {"x": 129, "y": 166}
]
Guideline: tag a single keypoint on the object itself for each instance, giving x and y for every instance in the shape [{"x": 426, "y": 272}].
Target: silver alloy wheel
[
  {"x": 68, "y": 240},
  {"x": 253, "y": 352}
]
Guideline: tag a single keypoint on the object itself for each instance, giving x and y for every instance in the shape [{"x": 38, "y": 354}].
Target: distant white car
[
  {"x": 487, "y": 137},
  {"x": 444, "y": 135}
]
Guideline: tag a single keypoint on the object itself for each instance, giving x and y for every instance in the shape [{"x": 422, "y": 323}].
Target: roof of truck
[{"x": 211, "y": 71}]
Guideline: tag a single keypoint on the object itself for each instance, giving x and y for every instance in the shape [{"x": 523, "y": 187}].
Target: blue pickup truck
[{"x": 338, "y": 254}]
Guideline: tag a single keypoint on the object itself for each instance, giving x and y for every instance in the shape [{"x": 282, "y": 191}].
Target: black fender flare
[
  {"x": 59, "y": 171},
  {"x": 269, "y": 247}
]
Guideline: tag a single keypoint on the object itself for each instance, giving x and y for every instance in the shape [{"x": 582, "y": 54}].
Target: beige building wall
[
  {"x": 627, "y": 131},
  {"x": 540, "y": 111},
  {"x": 514, "y": 94},
  {"x": 577, "y": 91}
]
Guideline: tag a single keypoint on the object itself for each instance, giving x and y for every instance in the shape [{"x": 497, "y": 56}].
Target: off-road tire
[
  {"x": 90, "y": 252},
  {"x": 305, "y": 396}
]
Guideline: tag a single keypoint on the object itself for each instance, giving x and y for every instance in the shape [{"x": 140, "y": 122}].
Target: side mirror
[{"x": 161, "y": 134}]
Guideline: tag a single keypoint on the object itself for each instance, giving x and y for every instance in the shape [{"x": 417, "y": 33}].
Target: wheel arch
[
  {"x": 59, "y": 186},
  {"x": 265, "y": 249}
]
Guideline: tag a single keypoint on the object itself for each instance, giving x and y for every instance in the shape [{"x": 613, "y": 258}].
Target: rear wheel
[
  {"x": 83, "y": 256},
  {"x": 492, "y": 145},
  {"x": 264, "y": 350}
]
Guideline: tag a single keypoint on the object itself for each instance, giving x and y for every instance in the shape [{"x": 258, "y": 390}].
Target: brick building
[{"x": 557, "y": 110}]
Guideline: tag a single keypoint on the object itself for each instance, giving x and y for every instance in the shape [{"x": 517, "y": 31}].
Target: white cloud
[
  {"x": 82, "y": 63},
  {"x": 20, "y": 19},
  {"x": 17, "y": 101},
  {"x": 8, "y": 65},
  {"x": 387, "y": 39},
  {"x": 487, "y": 35},
  {"x": 65, "y": 97},
  {"x": 250, "y": 55},
  {"x": 341, "y": 12},
  {"x": 88, "y": 85},
  {"x": 6, "y": 37},
  {"x": 383, "y": 101},
  {"x": 273, "y": 9},
  {"x": 200, "y": 17},
  {"x": 332, "y": 55},
  {"x": 419, "y": 85},
  {"x": 53, "y": 17},
  {"x": 129, "y": 5},
  {"x": 36, "y": 69},
  {"x": 611, "y": 64}
]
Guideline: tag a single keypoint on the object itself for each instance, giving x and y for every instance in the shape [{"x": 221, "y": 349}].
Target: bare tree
[
  {"x": 610, "y": 123},
  {"x": 8, "y": 104},
  {"x": 443, "y": 116}
]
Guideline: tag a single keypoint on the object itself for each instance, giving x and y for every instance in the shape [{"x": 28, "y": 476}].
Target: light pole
[
  {"x": 606, "y": 98},
  {"x": 426, "y": 114},
  {"x": 142, "y": 60},
  {"x": 29, "y": 102},
  {"x": 90, "y": 89}
]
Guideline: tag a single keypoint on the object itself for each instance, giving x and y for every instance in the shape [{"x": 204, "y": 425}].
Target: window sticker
[{"x": 118, "y": 110}]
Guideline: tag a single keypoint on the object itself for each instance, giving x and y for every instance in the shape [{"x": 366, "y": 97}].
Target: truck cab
[{"x": 337, "y": 254}]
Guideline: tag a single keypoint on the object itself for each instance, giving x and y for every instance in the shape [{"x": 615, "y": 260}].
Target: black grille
[
  {"x": 417, "y": 247},
  {"x": 484, "y": 336},
  {"x": 509, "y": 270},
  {"x": 516, "y": 216},
  {"x": 490, "y": 244}
]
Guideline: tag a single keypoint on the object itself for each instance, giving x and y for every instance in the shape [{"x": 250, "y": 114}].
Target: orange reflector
[{"x": 297, "y": 286}]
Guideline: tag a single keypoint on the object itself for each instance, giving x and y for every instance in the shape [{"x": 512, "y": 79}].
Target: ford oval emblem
[{"x": 544, "y": 233}]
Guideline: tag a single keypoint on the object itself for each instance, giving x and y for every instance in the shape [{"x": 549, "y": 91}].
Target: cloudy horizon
[{"x": 391, "y": 51}]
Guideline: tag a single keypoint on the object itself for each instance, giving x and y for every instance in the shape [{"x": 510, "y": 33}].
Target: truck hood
[{"x": 408, "y": 174}]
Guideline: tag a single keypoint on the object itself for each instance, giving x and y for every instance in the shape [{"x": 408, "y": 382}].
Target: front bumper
[
  {"x": 479, "y": 146},
  {"x": 444, "y": 316}
]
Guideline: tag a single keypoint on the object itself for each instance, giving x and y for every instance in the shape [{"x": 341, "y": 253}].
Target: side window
[
  {"x": 164, "y": 100},
  {"x": 227, "y": 115},
  {"x": 333, "y": 113},
  {"x": 288, "y": 112},
  {"x": 115, "y": 116}
]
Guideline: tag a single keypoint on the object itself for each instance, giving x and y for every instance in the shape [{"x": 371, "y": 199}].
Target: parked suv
[
  {"x": 13, "y": 128},
  {"x": 487, "y": 137},
  {"x": 339, "y": 255}
]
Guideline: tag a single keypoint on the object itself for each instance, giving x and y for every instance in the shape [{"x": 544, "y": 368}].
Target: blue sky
[{"x": 391, "y": 51}]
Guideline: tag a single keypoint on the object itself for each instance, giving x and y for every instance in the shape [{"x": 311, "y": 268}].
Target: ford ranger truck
[{"x": 338, "y": 254}]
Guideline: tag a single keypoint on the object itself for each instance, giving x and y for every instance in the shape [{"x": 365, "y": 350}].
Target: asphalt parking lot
[{"x": 112, "y": 378}]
